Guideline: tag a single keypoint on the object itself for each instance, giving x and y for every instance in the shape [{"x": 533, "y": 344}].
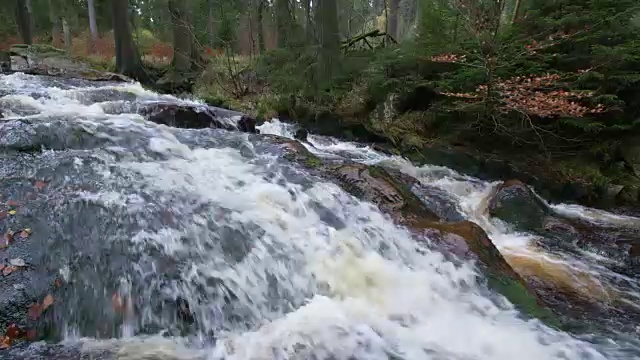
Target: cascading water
[{"x": 209, "y": 244}]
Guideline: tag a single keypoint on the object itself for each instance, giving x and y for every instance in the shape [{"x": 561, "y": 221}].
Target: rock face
[
  {"x": 516, "y": 204},
  {"x": 392, "y": 193}
]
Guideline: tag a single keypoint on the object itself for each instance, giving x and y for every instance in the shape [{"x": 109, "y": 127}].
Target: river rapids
[{"x": 209, "y": 244}]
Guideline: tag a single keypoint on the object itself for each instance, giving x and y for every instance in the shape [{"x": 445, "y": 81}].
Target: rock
[
  {"x": 555, "y": 226},
  {"x": 301, "y": 134},
  {"x": 392, "y": 193},
  {"x": 630, "y": 153},
  {"x": 5, "y": 61},
  {"x": 247, "y": 124},
  {"x": 198, "y": 117},
  {"x": 516, "y": 204}
]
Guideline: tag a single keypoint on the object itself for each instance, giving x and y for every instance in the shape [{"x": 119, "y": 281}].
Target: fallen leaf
[
  {"x": 57, "y": 283},
  {"x": 48, "y": 301},
  {"x": 12, "y": 203},
  {"x": 40, "y": 185},
  {"x": 117, "y": 303},
  {"x": 24, "y": 233},
  {"x": 8, "y": 270},
  {"x": 12, "y": 212},
  {"x": 17, "y": 262},
  {"x": 34, "y": 311},
  {"x": 3, "y": 214},
  {"x": 14, "y": 332},
  {"x": 5, "y": 343}
]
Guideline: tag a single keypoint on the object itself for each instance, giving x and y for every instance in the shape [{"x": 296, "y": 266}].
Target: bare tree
[
  {"x": 23, "y": 20},
  {"x": 127, "y": 57},
  {"x": 93, "y": 25},
  {"x": 516, "y": 11},
  {"x": 54, "y": 17}
]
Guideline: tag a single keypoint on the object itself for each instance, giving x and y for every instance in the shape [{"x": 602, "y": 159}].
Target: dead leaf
[
  {"x": 8, "y": 270},
  {"x": 40, "y": 185},
  {"x": 12, "y": 212},
  {"x": 12, "y": 203},
  {"x": 117, "y": 303},
  {"x": 14, "y": 332},
  {"x": 57, "y": 283},
  {"x": 24, "y": 233},
  {"x": 3, "y": 214},
  {"x": 34, "y": 311},
  {"x": 48, "y": 301},
  {"x": 5, "y": 343}
]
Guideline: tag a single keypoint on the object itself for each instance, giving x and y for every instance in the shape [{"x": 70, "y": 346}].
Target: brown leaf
[
  {"x": 48, "y": 301},
  {"x": 40, "y": 185},
  {"x": 24, "y": 233},
  {"x": 34, "y": 311},
  {"x": 57, "y": 283},
  {"x": 5, "y": 343},
  {"x": 117, "y": 303},
  {"x": 8, "y": 270},
  {"x": 14, "y": 332},
  {"x": 12, "y": 203}
]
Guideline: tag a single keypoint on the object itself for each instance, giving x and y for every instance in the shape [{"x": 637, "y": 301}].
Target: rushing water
[{"x": 140, "y": 219}]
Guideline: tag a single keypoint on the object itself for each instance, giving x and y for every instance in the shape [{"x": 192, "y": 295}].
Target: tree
[
  {"x": 23, "y": 19},
  {"x": 327, "y": 17},
  {"x": 127, "y": 58},
  {"x": 93, "y": 25},
  {"x": 54, "y": 17},
  {"x": 392, "y": 22},
  {"x": 283, "y": 23}
]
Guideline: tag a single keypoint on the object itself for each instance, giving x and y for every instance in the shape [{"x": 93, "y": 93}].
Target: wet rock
[
  {"x": 382, "y": 187},
  {"x": 198, "y": 117},
  {"x": 555, "y": 226},
  {"x": 301, "y": 134},
  {"x": 630, "y": 153},
  {"x": 516, "y": 204}
]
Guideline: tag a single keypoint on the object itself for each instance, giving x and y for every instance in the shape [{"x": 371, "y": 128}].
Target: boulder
[
  {"x": 392, "y": 193},
  {"x": 198, "y": 117},
  {"x": 516, "y": 204},
  {"x": 301, "y": 134}
]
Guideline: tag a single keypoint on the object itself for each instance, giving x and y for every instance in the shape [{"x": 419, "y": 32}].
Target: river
[{"x": 271, "y": 262}]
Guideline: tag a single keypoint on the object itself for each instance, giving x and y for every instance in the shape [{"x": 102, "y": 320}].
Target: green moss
[
  {"x": 521, "y": 298},
  {"x": 312, "y": 161}
]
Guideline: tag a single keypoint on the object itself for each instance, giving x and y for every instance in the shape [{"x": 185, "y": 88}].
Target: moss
[
  {"x": 521, "y": 297},
  {"x": 312, "y": 161}
]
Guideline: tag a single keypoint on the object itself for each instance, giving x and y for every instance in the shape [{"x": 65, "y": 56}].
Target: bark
[
  {"x": 307, "y": 16},
  {"x": 260, "y": 26},
  {"x": 93, "y": 25},
  {"x": 23, "y": 20},
  {"x": 67, "y": 35},
  {"x": 392, "y": 29},
  {"x": 181, "y": 36},
  {"x": 56, "y": 29},
  {"x": 327, "y": 17},
  {"x": 516, "y": 11},
  {"x": 212, "y": 23},
  {"x": 283, "y": 22},
  {"x": 127, "y": 58}
]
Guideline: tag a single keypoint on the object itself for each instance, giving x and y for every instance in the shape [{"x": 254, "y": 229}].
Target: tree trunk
[
  {"x": 211, "y": 22},
  {"x": 23, "y": 20},
  {"x": 308, "y": 27},
  {"x": 56, "y": 29},
  {"x": 181, "y": 36},
  {"x": 516, "y": 11},
  {"x": 93, "y": 25},
  {"x": 329, "y": 33},
  {"x": 127, "y": 58},
  {"x": 283, "y": 22},
  {"x": 260, "y": 26},
  {"x": 67, "y": 35},
  {"x": 392, "y": 29}
]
